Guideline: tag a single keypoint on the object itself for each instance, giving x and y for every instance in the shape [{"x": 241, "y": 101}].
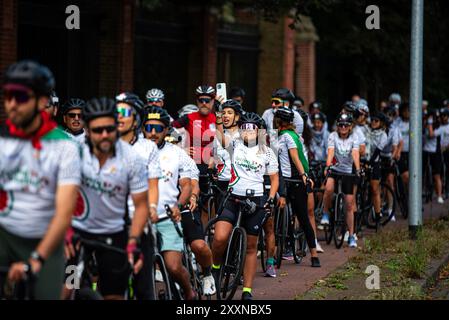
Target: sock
[
  {"x": 245, "y": 289},
  {"x": 206, "y": 271},
  {"x": 216, "y": 267},
  {"x": 270, "y": 261}
]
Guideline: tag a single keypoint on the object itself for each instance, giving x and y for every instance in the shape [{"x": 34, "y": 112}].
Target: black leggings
[{"x": 297, "y": 194}]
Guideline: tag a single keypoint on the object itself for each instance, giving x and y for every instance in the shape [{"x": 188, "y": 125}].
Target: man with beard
[
  {"x": 111, "y": 172},
  {"x": 72, "y": 116},
  {"x": 39, "y": 176}
]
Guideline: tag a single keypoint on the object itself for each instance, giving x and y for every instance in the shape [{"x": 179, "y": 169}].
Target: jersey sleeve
[
  {"x": 154, "y": 168},
  {"x": 138, "y": 174},
  {"x": 355, "y": 142},
  {"x": 289, "y": 142},
  {"x": 185, "y": 170},
  {"x": 396, "y": 137},
  {"x": 299, "y": 123},
  {"x": 272, "y": 162},
  {"x": 331, "y": 141},
  {"x": 69, "y": 172}
]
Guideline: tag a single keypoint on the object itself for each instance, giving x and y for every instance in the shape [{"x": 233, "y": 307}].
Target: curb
[{"x": 433, "y": 271}]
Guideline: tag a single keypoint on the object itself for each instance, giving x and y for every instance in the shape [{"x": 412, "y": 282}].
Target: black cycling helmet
[
  {"x": 100, "y": 107},
  {"x": 73, "y": 103},
  {"x": 31, "y": 75},
  {"x": 205, "y": 90},
  {"x": 298, "y": 101},
  {"x": 350, "y": 107},
  {"x": 156, "y": 113},
  {"x": 237, "y": 92},
  {"x": 303, "y": 114},
  {"x": 284, "y": 94},
  {"x": 251, "y": 117},
  {"x": 285, "y": 114},
  {"x": 237, "y": 107},
  {"x": 380, "y": 116},
  {"x": 319, "y": 116},
  {"x": 444, "y": 111},
  {"x": 315, "y": 105},
  {"x": 344, "y": 118},
  {"x": 390, "y": 110}
]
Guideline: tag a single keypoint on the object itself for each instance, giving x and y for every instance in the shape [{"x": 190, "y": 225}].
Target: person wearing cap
[{"x": 40, "y": 170}]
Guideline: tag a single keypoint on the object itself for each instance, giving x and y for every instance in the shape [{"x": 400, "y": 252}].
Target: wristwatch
[{"x": 36, "y": 256}]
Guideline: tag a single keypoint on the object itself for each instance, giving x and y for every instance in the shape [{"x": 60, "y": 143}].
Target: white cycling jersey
[
  {"x": 358, "y": 132},
  {"x": 194, "y": 172},
  {"x": 444, "y": 136},
  {"x": 375, "y": 139},
  {"x": 80, "y": 138},
  {"x": 404, "y": 128},
  {"x": 103, "y": 194},
  {"x": 393, "y": 139},
  {"x": 29, "y": 179},
  {"x": 318, "y": 144},
  {"x": 249, "y": 164},
  {"x": 268, "y": 116},
  {"x": 286, "y": 164},
  {"x": 222, "y": 157},
  {"x": 343, "y": 151},
  {"x": 175, "y": 164}
]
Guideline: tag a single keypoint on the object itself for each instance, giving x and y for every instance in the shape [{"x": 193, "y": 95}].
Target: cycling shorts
[
  {"x": 347, "y": 182},
  {"x": 403, "y": 162},
  {"x": 435, "y": 161},
  {"x": 192, "y": 226}
]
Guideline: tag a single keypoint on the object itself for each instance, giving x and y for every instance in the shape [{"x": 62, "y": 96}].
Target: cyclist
[
  {"x": 391, "y": 152},
  {"x": 344, "y": 147},
  {"x": 251, "y": 159},
  {"x": 238, "y": 94},
  {"x": 200, "y": 127},
  {"x": 376, "y": 139},
  {"x": 72, "y": 115},
  {"x": 361, "y": 117},
  {"x": 314, "y": 108},
  {"x": 130, "y": 108},
  {"x": 52, "y": 106},
  {"x": 394, "y": 101},
  {"x": 155, "y": 97},
  {"x": 111, "y": 171},
  {"x": 294, "y": 164},
  {"x": 175, "y": 165},
  {"x": 432, "y": 153},
  {"x": 39, "y": 174},
  {"x": 404, "y": 128},
  {"x": 282, "y": 97},
  {"x": 320, "y": 136},
  {"x": 445, "y": 144},
  {"x": 298, "y": 103}
]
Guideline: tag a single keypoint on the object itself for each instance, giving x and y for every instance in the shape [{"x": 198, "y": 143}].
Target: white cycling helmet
[
  {"x": 362, "y": 105},
  {"x": 187, "y": 109},
  {"x": 155, "y": 94}
]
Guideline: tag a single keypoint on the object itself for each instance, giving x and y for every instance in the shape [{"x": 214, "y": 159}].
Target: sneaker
[
  {"x": 209, "y": 285},
  {"x": 287, "y": 255},
  {"x": 158, "y": 276},
  {"x": 393, "y": 218},
  {"x": 315, "y": 262},
  {"x": 325, "y": 219},
  {"x": 352, "y": 242},
  {"x": 318, "y": 247},
  {"x": 440, "y": 200},
  {"x": 247, "y": 296},
  {"x": 271, "y": 271},
  {"x": 346, "y": 238}
]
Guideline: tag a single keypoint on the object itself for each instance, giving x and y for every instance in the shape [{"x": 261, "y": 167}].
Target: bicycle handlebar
[{"x": 170, "y": 216}]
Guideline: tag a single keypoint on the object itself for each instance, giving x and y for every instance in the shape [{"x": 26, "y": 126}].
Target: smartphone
[{"x": 221, "y": 90}]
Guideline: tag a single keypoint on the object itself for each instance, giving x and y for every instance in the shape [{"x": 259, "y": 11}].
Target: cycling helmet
[
  {"x": 379, "y": 115},
  {"x": 303, "y": 114},
  {"x": 132, "y": 100},
  {"x": 32, "y": 75},
  {"x": 349, "y": 106},
  {"x": 237, "y": 92},
  {"x": 100, "y": 107},
  {"x": 395, "y": 98},
  {"x": 444, "y": 112},
  {"x": 251, "y": 117},
  {"x": 315, "y": 105},
  {"x": 362, "y": 106},
  {"x": 173, "y": 136},
  {"x": 73, "y": 103},
  {"x": 284, "y": 94},
  {"x": 344, "y": 118},
  {"x": 54, "y": 100},
  {"x": 446, "y": 103},
  {"x": 319, "y": 116},
  {"x": 237, "y": 107},
  {"x": 187, "y": 109},
  {"x": 285, "y": 114},
  {"x": 298, "y": 102},
  {"x": 390, "y": 111},
  {"x": 205, "y": 90},
  {"x": 155, "y": 94},
  {"x": 156, "y": 113}
]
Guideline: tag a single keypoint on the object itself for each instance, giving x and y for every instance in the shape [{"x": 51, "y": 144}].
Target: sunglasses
[
  {"x": 124, "y": 112},
  {"x": 157, "y": 127},
  {"x": 20, "y": 96},
  {"x": 204, "y": 100},
  {"x": 248, "y": 126},
  {"x": 276, "y": 101},
  {"x": 375, "y": 120},
  {"x": 74, "y": 115},
  {"x": 154, "y": 100},
  {"x": 344, "y": 125},
  {"x": 100, "y": 130}
]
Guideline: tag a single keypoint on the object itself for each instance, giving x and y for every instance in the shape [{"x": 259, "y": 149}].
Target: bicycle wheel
[
  {"x": 194, "y": 275},
  {"x": 339, "y": 227},
  {"x": 161, "y": 281},
  {"x": 210, "y": 208},
  {"x": 388, "y": 209},
  {"x": 232, "y": 267},
  {"x": 328, "y": 233},
  {"x": 209, "y": 231},
  {"x": 299, "y": 245},
  {"x": 402, "y": 197},
  {"x": 281, "y": 233},
  {"x": 261, "y": 248}
]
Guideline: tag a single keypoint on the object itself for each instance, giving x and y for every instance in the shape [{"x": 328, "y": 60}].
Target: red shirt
[{"x": 201, "y": 133}]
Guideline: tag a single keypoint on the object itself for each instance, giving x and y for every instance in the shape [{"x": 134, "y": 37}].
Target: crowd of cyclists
[{"x": 113, "y": 182}]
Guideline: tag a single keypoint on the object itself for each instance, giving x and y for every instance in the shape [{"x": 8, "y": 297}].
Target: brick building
[{"x": 124, "y": 45}]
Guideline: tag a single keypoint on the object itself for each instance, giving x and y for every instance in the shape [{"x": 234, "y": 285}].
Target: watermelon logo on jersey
[
  {"x": 82, "y": 208},
  {"x": 6, "y": 202},
  {"x": 234, "y": 176}
]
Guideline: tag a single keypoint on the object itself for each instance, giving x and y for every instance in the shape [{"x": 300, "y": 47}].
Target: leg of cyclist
[
  {"x": 350, "y": 202},
  {"x": 328, "y": 192},
  {"x": 390, "y": 183},
  {"x": 173, "y": 262},
  {"x": 435, "y": 162},
  {"x": 375, "y": 196},
  {"x": 221, "y": 236},
  {"x": 311, "y": 214},
  {"x": 270, "y": 243}
]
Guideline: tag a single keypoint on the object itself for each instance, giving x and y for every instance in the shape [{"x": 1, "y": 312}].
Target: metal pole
[{"x": 415, "y": 155}]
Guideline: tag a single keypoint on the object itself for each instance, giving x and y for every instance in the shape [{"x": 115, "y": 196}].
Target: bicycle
[
  {"x": 232, "y": 266},
  {"x": 21, "y": 290},
  {"x": 210, "y": 196},
  {"x": 401, "y": 193}
]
